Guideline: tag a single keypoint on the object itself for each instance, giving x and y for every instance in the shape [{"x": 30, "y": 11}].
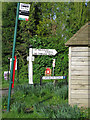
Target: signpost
[
  {"x": 30, "y": 58},
  {"x": 21, "y": 14},
  {"x": 13, "y": 52},
  {"x": 30, "y": 67},
  {"x": 24, "y": 11}
]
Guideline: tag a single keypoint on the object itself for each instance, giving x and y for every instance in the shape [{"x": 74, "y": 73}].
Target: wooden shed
[{"x": 79, "y": 67}]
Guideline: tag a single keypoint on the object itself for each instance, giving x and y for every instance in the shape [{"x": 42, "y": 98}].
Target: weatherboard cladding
[
  {"x": 81, "y": 37},
  {"x": 79, "y": 68},
  {"x": 79, "y": 74}
]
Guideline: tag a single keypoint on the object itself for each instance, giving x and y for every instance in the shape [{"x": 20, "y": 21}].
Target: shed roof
[{"x": 81, "y": 38}]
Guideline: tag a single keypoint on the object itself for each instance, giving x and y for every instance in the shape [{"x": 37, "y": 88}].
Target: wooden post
[
  {"x": 30, "y": 66},
  {"x": 17, "y": 69}
]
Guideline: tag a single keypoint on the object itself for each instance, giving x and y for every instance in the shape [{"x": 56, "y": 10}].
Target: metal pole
[
  {"x": 13, "y": 52},
  {"x": 30, "y": 66}
]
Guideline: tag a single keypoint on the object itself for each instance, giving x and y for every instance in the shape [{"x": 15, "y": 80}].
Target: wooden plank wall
[{"x": 79, "y": 76}]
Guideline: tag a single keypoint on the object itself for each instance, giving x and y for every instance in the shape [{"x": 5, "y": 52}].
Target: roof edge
[{"x": 71, "y": 41}]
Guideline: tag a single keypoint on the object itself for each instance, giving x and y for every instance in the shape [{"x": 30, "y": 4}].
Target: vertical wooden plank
[{"x": 69, "y": 85}]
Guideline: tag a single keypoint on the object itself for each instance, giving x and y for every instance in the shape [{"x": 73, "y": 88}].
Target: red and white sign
[
  {"x": 11, "y": 63},
  {"x": 48, "y": 71},
  {"x": 14, "y": 71}
]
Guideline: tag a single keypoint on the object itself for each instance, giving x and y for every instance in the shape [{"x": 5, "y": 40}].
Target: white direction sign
[
  {"x": 44, "y": 51},
  {"x": 53, "y": 77}
]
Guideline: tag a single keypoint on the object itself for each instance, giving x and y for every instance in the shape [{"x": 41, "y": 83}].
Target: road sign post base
[{"x": 31, "y": 83}]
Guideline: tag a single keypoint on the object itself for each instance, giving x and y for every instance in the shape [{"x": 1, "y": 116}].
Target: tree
[
  {"x": 8, "y": 23},
  {"x": 50, "y": 25}
]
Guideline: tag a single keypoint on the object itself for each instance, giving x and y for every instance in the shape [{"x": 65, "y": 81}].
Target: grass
[
  {"x": 5, "y": 83},
  {"x": 89, "y": 113},
  {"x": 46, "y": 101}
]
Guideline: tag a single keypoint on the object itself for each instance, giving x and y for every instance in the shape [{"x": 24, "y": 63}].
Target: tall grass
[{"x": 46, "y": 101}]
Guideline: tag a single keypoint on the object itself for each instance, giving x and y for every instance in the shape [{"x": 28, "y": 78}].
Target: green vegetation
[
  {"x": 50, "y": 25},
  {"x": 46, "y": 101}
]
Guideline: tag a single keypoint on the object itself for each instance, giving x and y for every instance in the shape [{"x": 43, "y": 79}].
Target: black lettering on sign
[{"x": 26, "y": 13}]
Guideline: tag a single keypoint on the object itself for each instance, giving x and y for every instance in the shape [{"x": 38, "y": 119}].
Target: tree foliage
[{"x": 50, "y": 25}]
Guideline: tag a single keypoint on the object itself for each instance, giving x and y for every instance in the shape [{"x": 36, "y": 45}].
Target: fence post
[{"x": 17, "y": 69}]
